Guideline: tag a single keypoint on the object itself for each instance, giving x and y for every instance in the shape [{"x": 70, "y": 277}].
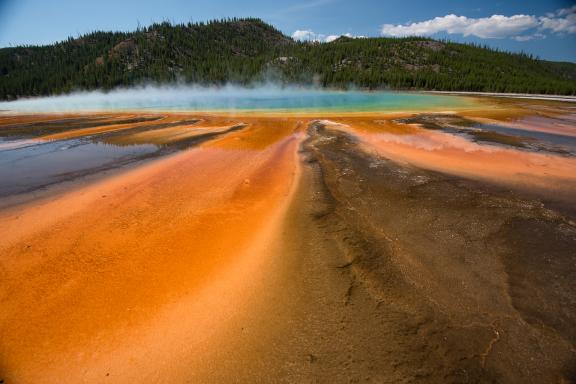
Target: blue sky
[{"x": 546, "y": 28}]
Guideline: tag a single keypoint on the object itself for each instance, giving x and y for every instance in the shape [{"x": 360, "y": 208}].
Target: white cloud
[
  {"x": 496, "y": 26},
  {"x": 334, "y": 37},
  {"x": 564, "y": 22},
  {"x": 308, "y": 35},
  {"x": 493, "y": 27},
  {"x": 534, "y": 36},
  {"x": 566, "y": 11},
  {"x": 305, "y": 34}
]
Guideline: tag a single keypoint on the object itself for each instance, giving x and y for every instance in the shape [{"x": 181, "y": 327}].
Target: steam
[
  {"x": 230, "y": 98},
  {"x": 177, "y": 97}
]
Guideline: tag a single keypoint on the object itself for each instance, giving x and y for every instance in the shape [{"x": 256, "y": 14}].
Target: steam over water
[{"x": 272, "y": 98}]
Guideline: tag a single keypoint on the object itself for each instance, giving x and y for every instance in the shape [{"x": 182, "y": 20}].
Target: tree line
[{"x": 244, "y": 51}]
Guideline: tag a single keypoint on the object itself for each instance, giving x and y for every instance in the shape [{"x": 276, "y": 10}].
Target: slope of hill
[{"x": 247, "y": 50}]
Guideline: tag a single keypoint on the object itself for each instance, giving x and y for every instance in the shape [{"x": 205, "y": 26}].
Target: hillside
[{"x": 247, "y": 50}]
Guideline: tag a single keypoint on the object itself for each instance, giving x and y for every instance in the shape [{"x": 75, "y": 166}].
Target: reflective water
[
  {"x": 36, "y": 154},
  {"x": 36, "y": 166},
  {"x": 234, "y": 98},
  {"x": 553, "y": 142}
]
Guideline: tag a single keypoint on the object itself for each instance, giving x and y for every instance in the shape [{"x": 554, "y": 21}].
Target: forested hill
[{"x": 244, "y": 51}]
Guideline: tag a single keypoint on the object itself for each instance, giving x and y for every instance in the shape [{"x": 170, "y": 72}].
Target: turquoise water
[{"x": 183, "y": 98}]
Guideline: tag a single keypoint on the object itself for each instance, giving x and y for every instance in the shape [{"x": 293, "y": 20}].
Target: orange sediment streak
[
  {"x": 102, "y": 263},
  {"x": 443, "y": 152},
  {"x": 75, "y": 133},
  {"x": 166, "y": 135}
]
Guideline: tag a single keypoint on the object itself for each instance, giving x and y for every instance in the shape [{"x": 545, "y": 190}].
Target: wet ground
[
  {"x": 433, "y": 247},
  {"x": 495, "y": 134},
  {"x": 38, "y": 154}
]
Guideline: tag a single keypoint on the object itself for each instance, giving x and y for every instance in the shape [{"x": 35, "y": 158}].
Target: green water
[{"x": 238, "y": 99}]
